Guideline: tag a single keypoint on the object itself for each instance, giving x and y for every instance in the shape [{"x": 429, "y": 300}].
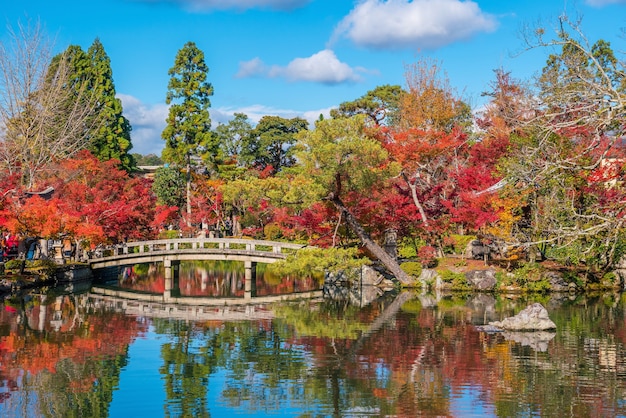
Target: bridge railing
[{"x": 195, "y": 244}]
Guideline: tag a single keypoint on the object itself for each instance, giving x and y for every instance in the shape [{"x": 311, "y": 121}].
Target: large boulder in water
[{"x": 533, "y": 318}]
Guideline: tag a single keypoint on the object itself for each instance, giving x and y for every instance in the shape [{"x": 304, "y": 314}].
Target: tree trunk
[
  {"x": 188, "y": 194},
  {"x": 389, "y": 262},
  {"x": 416, "y": 200}
]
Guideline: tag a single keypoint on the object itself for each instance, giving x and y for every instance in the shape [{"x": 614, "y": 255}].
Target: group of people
[{"x": 14, "y": 246}]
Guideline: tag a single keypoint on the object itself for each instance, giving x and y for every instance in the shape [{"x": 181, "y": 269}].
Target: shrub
[
  {"x": 458, "y": 243},
  {"x": 529, "y": 272},
  {"x": 14, "y": 264},
  {"x": 574, "y": 277},
  {"x": 318, "y": 260},
  {"x": 272, "y": 231},
  {"x": 42, "y": 267},
  {"x": 539, "y": 286},
  {"x": 412, "y": 268},
  {"x": 528, "y": 278},
  {"x": 457, "y": 281},
  {"x": 407, "y": 247},
  {"x": 427, "y": 255},
  {"x": 46, "y": 267}
]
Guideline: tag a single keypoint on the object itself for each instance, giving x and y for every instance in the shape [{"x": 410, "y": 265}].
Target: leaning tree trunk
[{"x": 389, "y": 262}]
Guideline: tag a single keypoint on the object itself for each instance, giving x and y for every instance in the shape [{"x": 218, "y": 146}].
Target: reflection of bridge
[
  {"x": 191, "y": 308},
  {"x": 171, "y": 252}
]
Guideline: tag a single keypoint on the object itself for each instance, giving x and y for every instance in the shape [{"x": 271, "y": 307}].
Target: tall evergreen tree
[
  {"x": 112, "y": 137},
  {"x": 188, "y": 132},
  {"x": 109, "y": 132}
]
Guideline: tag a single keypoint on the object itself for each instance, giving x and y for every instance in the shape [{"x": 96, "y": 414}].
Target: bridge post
[
  {"x": 172, "y": 286},
  {"x": 249, "y": 279}
]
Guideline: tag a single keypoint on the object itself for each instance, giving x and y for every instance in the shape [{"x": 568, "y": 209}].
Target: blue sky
[{"x": 303, "y": 57}]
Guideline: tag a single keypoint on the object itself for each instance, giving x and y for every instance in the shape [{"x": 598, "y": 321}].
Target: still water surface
[{"x": 354, "y": 353}]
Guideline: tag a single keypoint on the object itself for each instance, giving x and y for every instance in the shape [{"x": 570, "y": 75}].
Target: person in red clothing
[{"x": 11, "y": 244}]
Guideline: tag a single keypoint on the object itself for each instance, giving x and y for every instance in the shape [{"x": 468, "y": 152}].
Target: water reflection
[
  {"x": 218, "y": 279},
  {"x": 398, "y": 355},
  {"x": 59, "y": 355}
]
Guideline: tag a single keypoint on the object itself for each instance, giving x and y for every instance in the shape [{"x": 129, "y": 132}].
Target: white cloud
[
  {"x": 322, "y": 67},
  {"x": 147, "y": 121},
  {"x": 208, "y": 5},
  {"x": 251, "y": 68},
  {"x": 397, "y": 24},
  {"x": 602, "y": 3}
]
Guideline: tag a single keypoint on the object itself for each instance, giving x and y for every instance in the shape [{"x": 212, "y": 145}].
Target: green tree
[
  {"x": 188, "y": 131},
  {"x": 230, "y": 135},
  {"x": 380, "y": 105},
  {"x": 111, "y": 139},
  {"x": 108, "y": 131},
  {"x": 169, "y": 186},
  {"x": 270, "y": 142},
  {"x": 340, "y": 158}
]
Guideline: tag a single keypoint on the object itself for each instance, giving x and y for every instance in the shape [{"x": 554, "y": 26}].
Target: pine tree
[
  {"x": 108, "y": 132},
  {"x": 188, "y": 132},
  {"x": 112, "y": 137}
]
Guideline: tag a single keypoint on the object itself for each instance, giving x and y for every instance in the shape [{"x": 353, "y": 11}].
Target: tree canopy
[{"x": 269, "y": 144}]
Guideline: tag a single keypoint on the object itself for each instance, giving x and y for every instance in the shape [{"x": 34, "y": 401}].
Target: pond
[{"x": 77, "y": 353}]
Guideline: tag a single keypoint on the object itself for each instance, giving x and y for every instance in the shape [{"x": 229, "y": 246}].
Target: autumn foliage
[{"x": 93, "y": 202}]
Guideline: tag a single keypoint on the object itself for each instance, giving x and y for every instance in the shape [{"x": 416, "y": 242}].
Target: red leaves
[
  {"x": 93, "y": 201},
  {"x": 163, "y": 216}
]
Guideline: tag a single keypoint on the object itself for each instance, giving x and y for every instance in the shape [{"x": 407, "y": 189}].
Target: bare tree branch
[{"x": 43, "y": 115}]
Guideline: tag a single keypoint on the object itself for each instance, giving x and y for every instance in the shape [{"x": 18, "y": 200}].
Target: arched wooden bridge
[
  {"x": 172, "y": 251},
  {"x": 181, "y": 249}
]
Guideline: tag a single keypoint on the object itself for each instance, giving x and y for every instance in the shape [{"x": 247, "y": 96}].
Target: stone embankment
[{"x": 13, "y": 281}]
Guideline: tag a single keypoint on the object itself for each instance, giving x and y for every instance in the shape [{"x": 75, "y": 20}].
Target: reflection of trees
[
  {"x": 422, "y": 359},
  {"x": 61, "y": 357},
  {"x": 78, "y": 389},
  {"x": 212, "y": 278},
  {"x": 583, "y": 372},
  {"x": 261, "y": 365},
  {"x": 333, "y": 359},
  {"x": 186, "y": 368},
  {"x": 354, "y": 353},
  {"x": 573, "y": 377}
]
